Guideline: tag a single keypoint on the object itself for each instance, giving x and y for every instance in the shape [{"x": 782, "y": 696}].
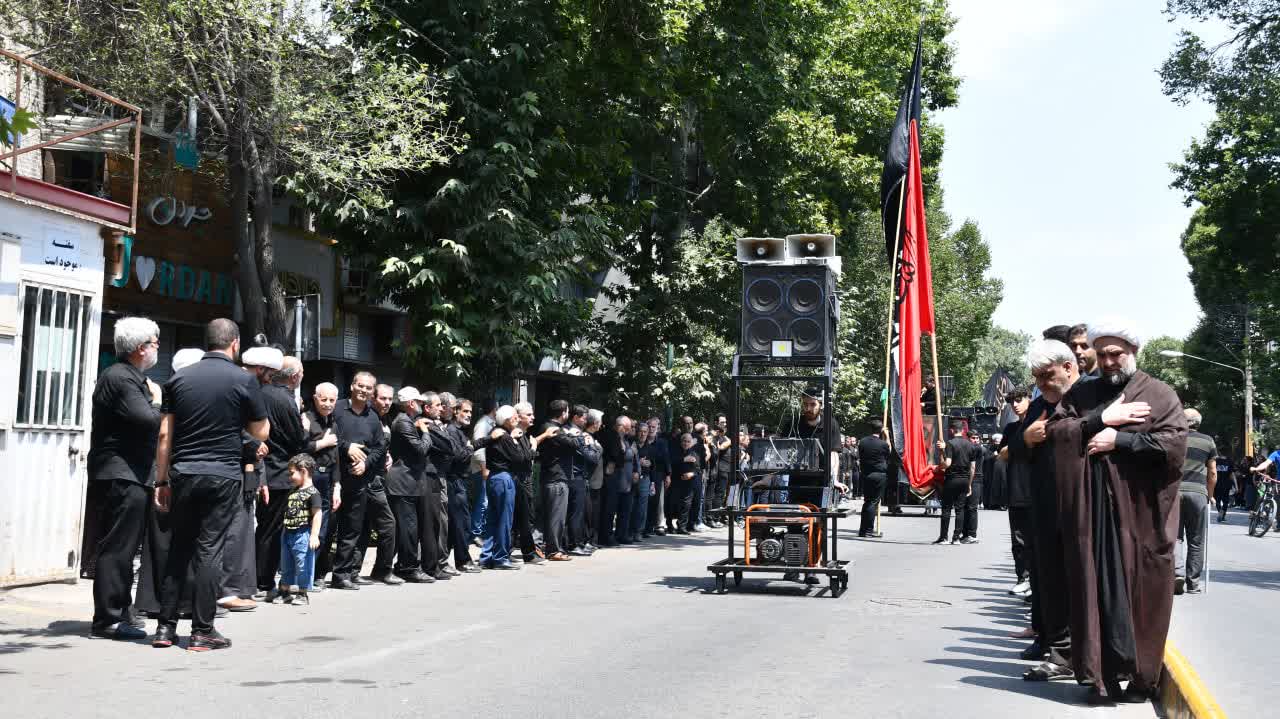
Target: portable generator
[{"x": 781, "y": 540}]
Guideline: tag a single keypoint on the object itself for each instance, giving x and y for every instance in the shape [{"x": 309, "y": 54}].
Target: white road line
[{"x": 377, "y": 656}]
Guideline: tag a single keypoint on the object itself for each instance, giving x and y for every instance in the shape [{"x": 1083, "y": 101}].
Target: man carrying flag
[{"x": 911, "y": 310}]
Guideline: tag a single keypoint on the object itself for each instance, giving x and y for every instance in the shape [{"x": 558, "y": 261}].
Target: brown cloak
[{"x": 1120, "y": 524}]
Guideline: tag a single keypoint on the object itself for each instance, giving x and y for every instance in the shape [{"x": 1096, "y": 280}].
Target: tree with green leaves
[{"x": 293, "y": 100}]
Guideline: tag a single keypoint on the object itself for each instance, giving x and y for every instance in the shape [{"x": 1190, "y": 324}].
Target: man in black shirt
[
  {"x": 322, "y": 445},
  {"x": 410, "y": 447},
  {"x": 585, "y": 457},
  {"x": 287, "y": 439},
  {"x": 378, "y": 516},
  {"x": 433, "y": 526},
  {"x": 967, "y": 515},
  {"x": 361, "y": 447},
  {"x": 556, "y": 451},
  {"x": 873, "y": 466},
  {"x": 205, "y": 407},
  {"x": 957, "y": 483},
  {"x": 1018, "y": 493},
  {"x": 456, "y": 473},
  {"x": 122, "y": 451}
]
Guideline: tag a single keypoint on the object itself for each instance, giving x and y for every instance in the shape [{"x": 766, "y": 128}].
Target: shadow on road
[
  {"x": 21, "y": 639},
  {"x": 757, "y": 584},
  {"x": 1252, "y": 577}
]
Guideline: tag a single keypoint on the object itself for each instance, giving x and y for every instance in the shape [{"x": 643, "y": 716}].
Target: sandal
[{"x": 1046, "y": 671}]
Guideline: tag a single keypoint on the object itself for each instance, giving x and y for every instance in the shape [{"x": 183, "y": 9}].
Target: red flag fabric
[{"x": 915, "y": 315}]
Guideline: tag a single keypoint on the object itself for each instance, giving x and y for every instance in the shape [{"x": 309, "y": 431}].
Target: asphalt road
[
  {"x": 634, "y": 632},
  {"x": 1231, "y": 633}
]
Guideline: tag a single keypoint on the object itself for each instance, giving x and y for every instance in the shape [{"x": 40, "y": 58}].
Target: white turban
[
  {"x": 186, "y": 357},
  {"x": 1114, "y": 327},
  {"x": 268, "y": 357}
]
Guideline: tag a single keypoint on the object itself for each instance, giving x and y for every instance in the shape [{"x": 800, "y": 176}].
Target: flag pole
[
  {"x": 937, "y": 386},
  {"x": 888, "y": 340}
]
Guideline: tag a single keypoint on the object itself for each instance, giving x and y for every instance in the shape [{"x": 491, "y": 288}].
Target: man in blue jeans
[{"x": 480, "y": 470}]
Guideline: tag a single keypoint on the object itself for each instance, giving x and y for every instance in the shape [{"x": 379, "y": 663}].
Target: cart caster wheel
[
  {"x": 737, "y": 579},
  {"x": 835, "y": 585},
  {"x": 721, "y": 584}
]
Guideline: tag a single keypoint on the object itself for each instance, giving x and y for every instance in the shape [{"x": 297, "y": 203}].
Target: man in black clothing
[
  {"x": 873, "y": 466},
  {"x": 456, "y": 473},
  {"x": 1018, "y": 484},
  {"x": 378, "y": 517},
  {"x": 434, "y": 525},
  {"x": 362, "y": 446},
  {"x": 555, "y": 457},
  {"x": 661, "y": 473},
  {"x": 122, "y": 452},
  {"x": 410, "y": 447},
  {"x": 522, "y": 519},
  {"x": 205, "y": 407},
  {"x": 322, "y": 445},
  {"x": 1053, "y": 365},
  {"x": 586, "y": 455},
  {"x": 967, "y": 514},
  {"x": 957, "y": 483},
  {"x": 287, "y": 439}
]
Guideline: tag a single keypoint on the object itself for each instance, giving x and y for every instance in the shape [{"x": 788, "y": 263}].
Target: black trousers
[
  {"x": 1022, "y": 541},
  {"x": 576, "y": 519},
  {"x": 595, "y": 506},
  {"x": 1050, "y": 612},
  {"x": 967, "y": 513},
  {"x": 359, "y": 501},
  {"x": 873, "y": 486},
  {"x": 408, "y": 512},
  {"x": 266, "y": 537},
  {"x": 434, "y": 527},
  {"x": 459, "y": 521},
  {"x": 522, "y": 517},
  {"x": 239, "y": 565},
  {"x": 379, "y": 520},
  {"x": 121, "y": 507},
  {"x": 201, "y": 510},
  {"x": 323, "y": 481},
  {"x": 681, "y": 501},
  {"x": 555, "y": 505},
  {"x": 616, "y": 526},
  {"x": 953, "y": 491}
]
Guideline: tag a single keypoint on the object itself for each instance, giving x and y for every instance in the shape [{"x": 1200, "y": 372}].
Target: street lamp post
[{"x": 1247, "y": 374}]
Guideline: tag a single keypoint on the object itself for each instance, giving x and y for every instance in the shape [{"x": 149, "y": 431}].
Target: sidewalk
[{"x": 1231, "y": 633}]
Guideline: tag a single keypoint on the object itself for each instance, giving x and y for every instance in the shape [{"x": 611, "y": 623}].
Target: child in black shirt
[{"x": 301, "y": 533}]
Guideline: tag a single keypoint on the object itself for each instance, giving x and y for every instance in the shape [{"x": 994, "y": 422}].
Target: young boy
[{"x": 301, "y": 535}]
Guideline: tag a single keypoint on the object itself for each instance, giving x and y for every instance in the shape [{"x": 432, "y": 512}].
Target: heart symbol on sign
[{"x": 145, "y": 269}]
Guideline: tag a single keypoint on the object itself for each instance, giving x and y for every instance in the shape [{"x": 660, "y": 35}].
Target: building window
[
  {"x": 51, "y": 383},
  {"x": 355, "y": 277}
]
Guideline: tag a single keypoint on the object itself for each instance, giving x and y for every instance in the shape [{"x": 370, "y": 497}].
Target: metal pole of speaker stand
[{"x": 734, "y": 461}]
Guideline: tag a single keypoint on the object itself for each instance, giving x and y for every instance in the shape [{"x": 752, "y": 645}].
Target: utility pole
[{"x": 1248, "y": 390}]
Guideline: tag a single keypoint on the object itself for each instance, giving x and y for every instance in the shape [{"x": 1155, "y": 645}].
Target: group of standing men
[{"x": 1095, "y": 467}]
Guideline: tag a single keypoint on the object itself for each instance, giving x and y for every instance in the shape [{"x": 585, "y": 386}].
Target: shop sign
[{"x": 181, "y": 282}]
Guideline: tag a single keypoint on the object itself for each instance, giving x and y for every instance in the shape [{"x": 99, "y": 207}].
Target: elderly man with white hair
[
  {"x": 506, "y": 456},
  {"x": 1119, "y": 443},
  {"x": 122, "y": 450}
]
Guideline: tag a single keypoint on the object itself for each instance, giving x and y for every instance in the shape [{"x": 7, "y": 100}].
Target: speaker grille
[
  {"x": 806, "y": 334},
  {"x": 804, "y": 297},
  {"x": 760, "y": 334},
  {"x": 764, "y": 296}
]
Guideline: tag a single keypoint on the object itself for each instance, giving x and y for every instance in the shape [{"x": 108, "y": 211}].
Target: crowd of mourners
[
  {"x": 236, "y": 493},
  {"x": 236, "y": 496}
]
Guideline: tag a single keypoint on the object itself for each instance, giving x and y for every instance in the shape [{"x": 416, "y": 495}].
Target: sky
[{"x": 1059, "y": 149}]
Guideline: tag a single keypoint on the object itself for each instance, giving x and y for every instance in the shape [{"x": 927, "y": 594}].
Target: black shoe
[
  {"x": 1034, "y": 652},
  {"x": 969, "y": 540},
  {"x": 535, "y": 559},
  {"x": 940, "y": 540},
  {"x": 442, "y": 576},
  {"x": 166, "y": 636},
  {"x": 871, "y": 535},
  {"x": 362, "y": 581},
  {"x": 1179, "y": 585},
  {"x": 508, "y": 566},
  {"x": 124, "y": 632},
  {"x": 579, "y": 553},
  {"x": 469, "y": 569},
  {"x": 388, "y": 579},
  {"x": 343, "y": 583},
  {"x": 811, "y": 579},
  {"x": 450, "y": 571},
  {"x": 418, "y": 577},
  {"x": 207, "y": 641},
  {"x": 661, "y": 531}
]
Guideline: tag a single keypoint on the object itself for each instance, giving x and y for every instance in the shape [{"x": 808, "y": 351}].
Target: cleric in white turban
[
  {"x": 186, "y": 357},
  {"x": 1118, "y": 446}
]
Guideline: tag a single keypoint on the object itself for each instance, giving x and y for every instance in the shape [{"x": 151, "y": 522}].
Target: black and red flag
[{"x": 906, "y": 238}]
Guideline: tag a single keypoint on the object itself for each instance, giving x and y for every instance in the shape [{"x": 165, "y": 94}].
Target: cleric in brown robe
[{"x": 1119, "y": 442}]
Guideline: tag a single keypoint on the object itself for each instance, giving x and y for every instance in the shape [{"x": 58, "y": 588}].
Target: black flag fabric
[{"x": 893, "y": 179}]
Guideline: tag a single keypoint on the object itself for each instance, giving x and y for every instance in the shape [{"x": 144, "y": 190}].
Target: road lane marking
[{"x": 406, "y": 646}]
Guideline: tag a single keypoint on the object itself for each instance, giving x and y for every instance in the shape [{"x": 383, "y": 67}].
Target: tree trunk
[
  {"x": 246, "y": 273},
  {"x": 274, "y": 310}
]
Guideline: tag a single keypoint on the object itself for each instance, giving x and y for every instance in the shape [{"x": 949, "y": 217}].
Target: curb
[{"x": 1183, "y": 695}]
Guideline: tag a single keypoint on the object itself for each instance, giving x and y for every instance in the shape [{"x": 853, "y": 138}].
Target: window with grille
[{"x": 51, "y": 382}]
